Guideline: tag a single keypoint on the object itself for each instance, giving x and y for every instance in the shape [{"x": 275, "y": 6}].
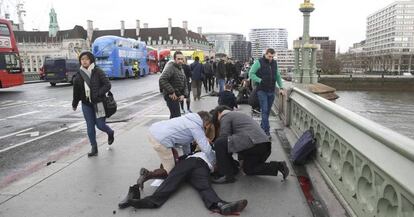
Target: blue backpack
[{"x": 303, "y": 148}]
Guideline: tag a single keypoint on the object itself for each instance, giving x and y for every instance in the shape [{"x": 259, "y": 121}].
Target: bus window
[
  {"x": 4, "y": 30},
  {"x": 10, "y": 61}
]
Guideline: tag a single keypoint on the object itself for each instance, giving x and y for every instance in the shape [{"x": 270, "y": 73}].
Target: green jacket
[{"x": 256, "y": 66}]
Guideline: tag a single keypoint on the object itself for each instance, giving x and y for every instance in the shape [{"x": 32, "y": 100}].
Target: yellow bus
[{"x": 191, "y": 54}]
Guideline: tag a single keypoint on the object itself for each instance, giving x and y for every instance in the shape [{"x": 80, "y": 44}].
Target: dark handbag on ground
[
  {"x": 109, "y": 101},
  {"x": 254, "y": 100},
  {"x": 303, "y": 148}
]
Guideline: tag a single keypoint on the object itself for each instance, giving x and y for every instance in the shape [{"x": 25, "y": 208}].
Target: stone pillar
[
  {"x": 297, "y": 76},
  {"x": 313, "y": 76},
  {"x": 89, "y": 31},
  {"x": 399, "y": 65},
  {"x": 31, "y": 62},
  {"x": 169, "y": 26},
  {"x": 122, "y": 28},
  {"x": 137, "y": 28}
]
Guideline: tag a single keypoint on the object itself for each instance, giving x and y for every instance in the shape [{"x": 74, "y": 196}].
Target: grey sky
[{"x": 343, "y": 21}]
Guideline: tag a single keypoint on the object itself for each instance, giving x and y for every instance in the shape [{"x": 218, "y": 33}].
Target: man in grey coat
[
  {"x": 173, "y": 84},
  {"x": 240, "y": 134}
]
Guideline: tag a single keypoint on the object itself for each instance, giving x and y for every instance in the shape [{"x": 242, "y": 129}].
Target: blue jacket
[
  {"x": 197, "y": 71},
  {"x": 182, "y": 131}
]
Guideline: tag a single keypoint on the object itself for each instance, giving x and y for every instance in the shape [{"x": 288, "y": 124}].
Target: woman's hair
[
  {"x": 205, "y": 116},
  {"x": 215, "y": 112},
  {"x": 88, "y": 54}
]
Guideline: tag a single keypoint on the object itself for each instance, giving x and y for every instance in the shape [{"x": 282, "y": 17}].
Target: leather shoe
[
  {"x": 94, "y": 152},
  {"x": 228, "y": 208},
  {"x": 223, "y": 180},
  {"x": 283, "y": 169},
  {"x": 111, "y": 138},
  {"x": 133, "y": 193}
]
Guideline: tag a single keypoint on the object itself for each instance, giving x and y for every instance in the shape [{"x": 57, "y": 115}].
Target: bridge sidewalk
[{"x": 81, "y": 186}]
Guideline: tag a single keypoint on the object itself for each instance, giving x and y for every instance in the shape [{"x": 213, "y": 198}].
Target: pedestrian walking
[
  {"x": 90, "y": 87},
  {"x": 173, "y": 84},
  {"x": 197, "y": 76},
  {"x": 264, "y": 72},
  {"x": 187, "y": 98}
]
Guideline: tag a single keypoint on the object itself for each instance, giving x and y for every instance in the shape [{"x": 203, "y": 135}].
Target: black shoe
[
  {"x": 223, "y": 180},
  {"x": 94, "y": 152},
  {"x": 228, "y": 208},
  {"x": 133, "y": 193},
  {"x": 283, "y": 169},
  {"x": 111, "y": 138}
]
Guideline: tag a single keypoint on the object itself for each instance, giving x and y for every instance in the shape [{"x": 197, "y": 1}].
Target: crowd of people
[{"x": 207, "y": 139}]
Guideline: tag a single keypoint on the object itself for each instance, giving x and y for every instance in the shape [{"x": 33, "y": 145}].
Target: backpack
[{"x": 303, "y": 148}]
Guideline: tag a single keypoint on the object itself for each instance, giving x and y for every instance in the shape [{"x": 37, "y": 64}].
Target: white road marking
[
  {"x": 138, "y": 101},
  {"x": 15, "y": 133},
  {"x": 24, "y": 104},
  {"x": 19, "y": 115},
  {"x": 40, "y": 137},
  {"x": 74, "y": 125},
  {"x": 32, "y": 134}
]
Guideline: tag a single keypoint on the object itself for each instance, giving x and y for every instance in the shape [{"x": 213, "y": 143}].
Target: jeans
[
  {"x": 221, "y": 84},
  {"x": 91, "y": 121},
  {"x": 266, "y": 101},
  {"x": 173, "y": 106}
]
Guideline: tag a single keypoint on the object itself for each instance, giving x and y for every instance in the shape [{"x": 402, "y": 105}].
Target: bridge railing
[{"x": 370, "y": 166}]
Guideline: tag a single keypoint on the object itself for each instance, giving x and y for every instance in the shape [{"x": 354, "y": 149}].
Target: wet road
[{"x": 38, "y": 125}]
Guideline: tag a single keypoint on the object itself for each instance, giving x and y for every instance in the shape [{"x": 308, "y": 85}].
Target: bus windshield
[
  {"x": 10, "y": 61},
  {"x": 4, "y": 30}
]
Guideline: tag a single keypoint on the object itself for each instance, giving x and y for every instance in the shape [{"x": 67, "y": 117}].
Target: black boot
[
  {"x": 145, "y": 175},
  {"x": 283, "y": 169},
  {"x": 94, "y": 151},
  {"x": 111, "y": 138},
  {"x": 133, "y": 193},
  {"x": 228, "y": 208}
]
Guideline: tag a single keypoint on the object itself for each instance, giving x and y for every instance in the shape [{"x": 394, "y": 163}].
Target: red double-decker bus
[{"x": 11, "y": 73}]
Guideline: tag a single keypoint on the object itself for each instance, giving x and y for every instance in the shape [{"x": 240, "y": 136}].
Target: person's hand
[
  {"x": 283, "y": 92},
  {"x": 173, "y": 96},
  {"x": 181, "y": 98},
  {"x": 74, "y": 108}
]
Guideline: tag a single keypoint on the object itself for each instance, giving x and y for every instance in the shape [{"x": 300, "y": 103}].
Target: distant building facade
[
  {"x": 326, "y": 51},
  {"x": 232, "y": 44},
  {"x": 174, "y": 38},
  {"x": 261, "y": 39},
  {"x": 35, "y": 46},
  {"x": 390, "y": 38}
]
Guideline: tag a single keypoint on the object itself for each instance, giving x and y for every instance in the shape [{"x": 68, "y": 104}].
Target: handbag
[
  {"x": 110, "y": 105},
  {"x": 109, "y": 102}
]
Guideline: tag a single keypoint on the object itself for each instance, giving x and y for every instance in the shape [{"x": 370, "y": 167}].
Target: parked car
[{"x": 60, "y": 70}]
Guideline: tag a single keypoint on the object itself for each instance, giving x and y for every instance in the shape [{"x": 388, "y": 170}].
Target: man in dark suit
[{"x": 239, "y": 133}]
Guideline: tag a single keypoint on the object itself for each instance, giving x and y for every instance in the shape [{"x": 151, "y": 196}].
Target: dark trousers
[
  {"x": 173, "y": 106},
  {"x": 92, "y": 121},
  {"x": 208, "y": 83},
  {"x": 254, "y": 159},
  {"x": 193, "y": 170}
]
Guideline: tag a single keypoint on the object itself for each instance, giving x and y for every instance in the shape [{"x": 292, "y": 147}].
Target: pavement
[{"x": 76, "y": 185}]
